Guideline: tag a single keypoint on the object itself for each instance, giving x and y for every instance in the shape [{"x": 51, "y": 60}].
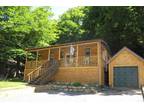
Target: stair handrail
[
  {"x": 52, "y": 63},
  {"x": 29, "y": 74}
]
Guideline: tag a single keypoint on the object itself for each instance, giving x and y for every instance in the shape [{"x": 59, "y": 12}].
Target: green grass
[{"x": 12, "y": 83}]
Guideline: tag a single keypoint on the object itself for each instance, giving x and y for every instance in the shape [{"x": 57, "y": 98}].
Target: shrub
[{"x": 76, "y": 84}]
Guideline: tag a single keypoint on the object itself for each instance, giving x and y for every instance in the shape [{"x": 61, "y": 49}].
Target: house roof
[
  {"x": 71, "y": 43},
  {"x": 127, "y": 49}
]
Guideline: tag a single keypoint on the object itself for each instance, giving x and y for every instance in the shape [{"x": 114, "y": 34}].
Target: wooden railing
[
  {"x": 80, "y": 61},
  {"x": 47, "y": 74},
  {"x": 87, "y": 61},
  {"x": 34, "y": 64},
  {"x": 67, "y": 62},
  {"x": 43, "y": 66},
  {"x": 43, "y": 73},
  {"x": 37, "y": 71}
]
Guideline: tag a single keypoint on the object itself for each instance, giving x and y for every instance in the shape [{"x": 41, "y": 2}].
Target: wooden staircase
[{"x": 44, "y": 73}]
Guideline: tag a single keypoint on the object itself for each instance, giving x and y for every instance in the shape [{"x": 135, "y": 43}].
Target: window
[{"x": 87, "y": 52}]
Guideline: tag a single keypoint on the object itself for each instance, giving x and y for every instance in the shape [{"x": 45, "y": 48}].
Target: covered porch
[{"x": 79, "y": 55}]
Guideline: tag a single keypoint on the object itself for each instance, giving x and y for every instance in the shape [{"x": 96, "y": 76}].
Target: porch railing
[
  {"x": 43, "y": 73},
  {"x": 80, "y": 61},
  {"x": 37, "y": 71},
  {"x": 34, "y": 64}
]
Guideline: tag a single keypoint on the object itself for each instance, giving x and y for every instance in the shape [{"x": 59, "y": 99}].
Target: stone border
[{"x": 67, "y": 87}]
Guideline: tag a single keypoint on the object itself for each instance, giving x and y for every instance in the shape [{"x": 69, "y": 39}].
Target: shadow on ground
[{"x": 119, "y": 91}]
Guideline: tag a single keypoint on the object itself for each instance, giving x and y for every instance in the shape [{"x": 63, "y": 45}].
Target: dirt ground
[{"x": 26, "y": 96}]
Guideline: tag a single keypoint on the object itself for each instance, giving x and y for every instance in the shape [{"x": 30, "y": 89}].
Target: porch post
[
  {"x": 99, "y": 64},
  {"x": 26, "y": 57},
  {"x": 59, "y": 53},
  {"x": 49, "y": 54},
  {"x": 36, "y": 58},
  {"x": 77, "y": 55}
]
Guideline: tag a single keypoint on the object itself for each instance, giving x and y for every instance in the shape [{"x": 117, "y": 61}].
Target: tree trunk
[{"x": 17, "y": 74}]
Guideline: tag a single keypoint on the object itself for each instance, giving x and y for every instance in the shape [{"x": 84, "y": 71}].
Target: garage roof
[{"x": 127, "y": 49}]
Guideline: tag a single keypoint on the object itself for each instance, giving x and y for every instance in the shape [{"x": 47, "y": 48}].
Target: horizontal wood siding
[
  {"x": 54, "y": 53},
  {"x": 93, "y": 47},
  {"x": 77, "y": 74},
  {"x": 43, "y": 54}
]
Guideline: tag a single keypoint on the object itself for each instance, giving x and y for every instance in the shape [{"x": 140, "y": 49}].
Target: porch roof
[{"x": 66, "y": 44}]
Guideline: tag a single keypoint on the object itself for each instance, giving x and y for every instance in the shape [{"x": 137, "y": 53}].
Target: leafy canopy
[
  {"x": 22, "y": 27},
  {"x": 70, "y": 25}
]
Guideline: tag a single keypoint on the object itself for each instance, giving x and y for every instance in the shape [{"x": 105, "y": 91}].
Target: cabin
[
  {"x": 83, "y": 61},
  {"x": 126, "y": 69}
]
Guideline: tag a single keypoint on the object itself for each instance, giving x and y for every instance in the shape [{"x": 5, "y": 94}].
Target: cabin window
[{"x": 87, "y": 51}]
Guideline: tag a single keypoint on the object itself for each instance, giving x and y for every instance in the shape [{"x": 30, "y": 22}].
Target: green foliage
[
  {"x": 118, "y": 26},
  {"x": 23, "y": 27},
  {"x": 69, "y": 25},
  {"x": 76, "y": 84}
]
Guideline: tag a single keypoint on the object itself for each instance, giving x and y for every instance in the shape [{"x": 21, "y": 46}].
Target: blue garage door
[{"x": 126, "y": 77}]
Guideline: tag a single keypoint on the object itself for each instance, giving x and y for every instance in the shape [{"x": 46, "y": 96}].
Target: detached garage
[{"x": 126, "y": 69}]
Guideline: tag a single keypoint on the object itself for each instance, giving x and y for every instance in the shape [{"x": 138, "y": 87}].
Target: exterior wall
[
  {"x": 43, "y": 54},
  {"x": 125, "y": 58},
  {"x": 93, "y": 47},
  {"x": 54, "y": 53},
  {"x": 102, "y": 52},
  {"x": 104, "y": 60},
  {"x": 77, "y": 74},
  {"x": 65, "y": 50}
]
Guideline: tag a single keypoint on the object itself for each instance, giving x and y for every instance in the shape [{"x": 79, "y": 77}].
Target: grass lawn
[{"x": 12, "y": 83}]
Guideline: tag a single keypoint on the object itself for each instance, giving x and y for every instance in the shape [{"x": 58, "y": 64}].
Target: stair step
[{"x": 47, "y": 73}]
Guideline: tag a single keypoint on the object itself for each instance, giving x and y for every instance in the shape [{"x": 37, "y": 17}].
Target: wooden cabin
[
  {"x": 83, "y": 62},
  {"x": 126, "y": 69}
]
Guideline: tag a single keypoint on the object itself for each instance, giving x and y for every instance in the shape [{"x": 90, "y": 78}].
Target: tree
[
  {"x": 23, "y": 27},
  {"x": 118, "y": 26},
  {"x": 70, "y": 25}
]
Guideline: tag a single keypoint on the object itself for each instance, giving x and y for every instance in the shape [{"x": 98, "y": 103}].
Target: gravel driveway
[{"x": 26, "y": 97}]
